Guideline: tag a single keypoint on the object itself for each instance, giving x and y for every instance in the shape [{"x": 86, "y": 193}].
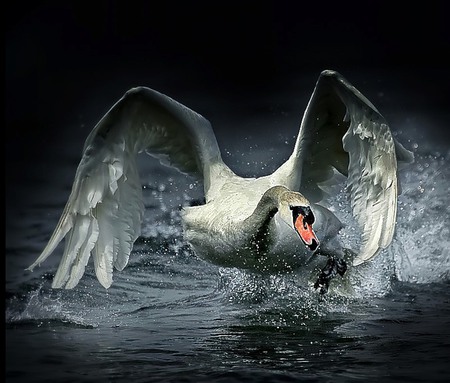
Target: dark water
[{"x": 172, "y": 317}]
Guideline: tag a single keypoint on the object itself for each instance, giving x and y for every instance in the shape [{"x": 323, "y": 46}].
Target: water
[{"x": 170, "y": 316}]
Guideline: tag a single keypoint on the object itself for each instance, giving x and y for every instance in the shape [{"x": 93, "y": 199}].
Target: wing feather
[
  {"x": 104, "y": 211},
  {"x": 342, "y": 129}
]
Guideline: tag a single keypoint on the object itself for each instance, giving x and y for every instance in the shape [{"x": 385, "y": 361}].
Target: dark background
[{"x": 68, "y": 62}]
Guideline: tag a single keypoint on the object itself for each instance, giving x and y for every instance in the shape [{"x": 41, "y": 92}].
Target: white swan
[{"x": 262, "y": 224}]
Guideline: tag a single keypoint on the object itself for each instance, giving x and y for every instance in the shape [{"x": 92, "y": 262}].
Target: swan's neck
[{"x": 261, "y": 223}]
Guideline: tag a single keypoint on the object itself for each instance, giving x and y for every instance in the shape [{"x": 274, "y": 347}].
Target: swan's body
[
  {"x": 244, "y": 235},
  {"x": 263, "y": 224}
]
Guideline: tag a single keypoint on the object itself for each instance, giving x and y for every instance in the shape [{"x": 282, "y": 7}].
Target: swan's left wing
[
  {"x": 341, "y": 129},
  {"x": 104, "y": 212}
]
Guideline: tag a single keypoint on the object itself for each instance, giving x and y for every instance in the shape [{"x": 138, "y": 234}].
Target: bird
[{"x": 269, "y": 224}]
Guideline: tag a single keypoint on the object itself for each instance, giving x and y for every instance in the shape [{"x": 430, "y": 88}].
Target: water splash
[
  {"x": 422, "y": 243},
  {"x": 42, "y": 306}
]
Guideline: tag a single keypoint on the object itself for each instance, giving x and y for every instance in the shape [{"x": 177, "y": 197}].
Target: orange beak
[{"x": 306, "y": 232}]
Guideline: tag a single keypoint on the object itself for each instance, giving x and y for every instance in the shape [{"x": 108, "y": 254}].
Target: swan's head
[
  {"x": 303, "y": 219},
  {"x": 295, "y": 210}
]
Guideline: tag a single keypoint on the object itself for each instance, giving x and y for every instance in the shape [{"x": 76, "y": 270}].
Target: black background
[{"x": 68, "y": 62}]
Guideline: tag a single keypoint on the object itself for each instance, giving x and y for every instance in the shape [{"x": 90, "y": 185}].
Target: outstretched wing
[
  {"x": 341, "y": 129},
  {"x": 104, "y": 212}
]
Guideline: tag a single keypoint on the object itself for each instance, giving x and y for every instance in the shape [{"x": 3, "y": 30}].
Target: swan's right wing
[
  {"x": 342, "y": 130},
  {"x": 104, "y": 212}
]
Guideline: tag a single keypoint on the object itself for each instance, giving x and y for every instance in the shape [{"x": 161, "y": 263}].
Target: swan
[{"x": 273, "y": 223}]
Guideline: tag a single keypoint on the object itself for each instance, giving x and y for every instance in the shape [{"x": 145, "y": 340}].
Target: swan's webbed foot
[{"x": 333, "y": 267}]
